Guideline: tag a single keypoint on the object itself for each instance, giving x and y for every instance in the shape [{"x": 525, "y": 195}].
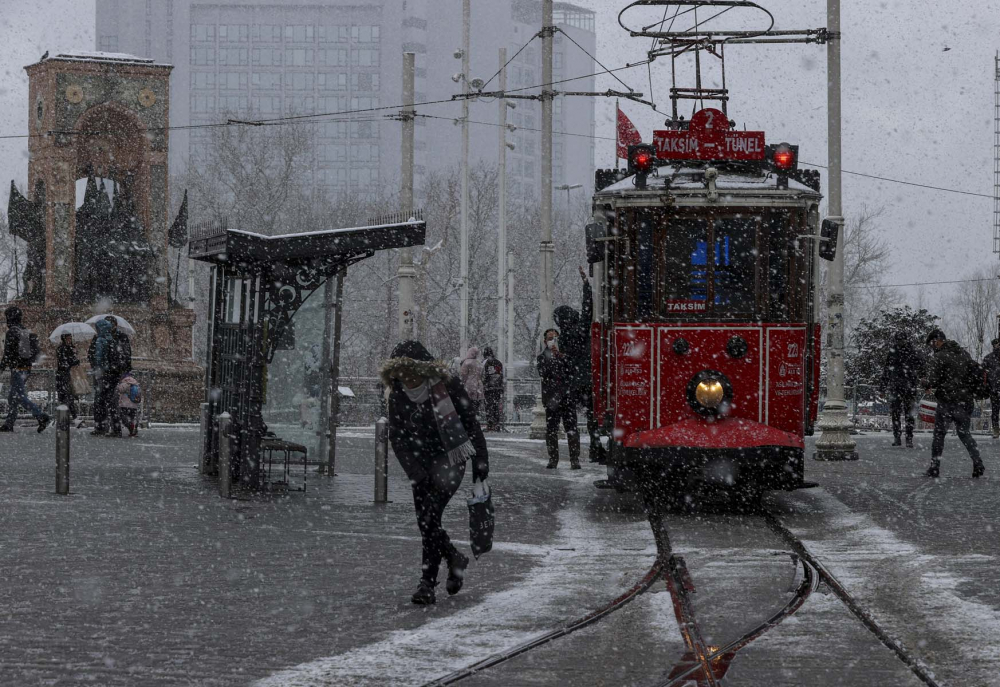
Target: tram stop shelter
[{"x": 258, "y": 284}]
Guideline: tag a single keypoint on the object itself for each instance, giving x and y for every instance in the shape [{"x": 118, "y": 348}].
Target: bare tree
[
  {"x": 12, "y": 258},
  {"x": 974, "y": 311}
]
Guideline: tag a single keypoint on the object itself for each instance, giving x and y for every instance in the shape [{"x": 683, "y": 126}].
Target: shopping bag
[
  {"x": 481, "y": 518},
  {"x": 78, "y": 382},
  {"x": 928, "y": 409}
]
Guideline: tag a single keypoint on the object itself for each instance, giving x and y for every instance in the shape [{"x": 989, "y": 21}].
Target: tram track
[{"x": 703, "y": 665}]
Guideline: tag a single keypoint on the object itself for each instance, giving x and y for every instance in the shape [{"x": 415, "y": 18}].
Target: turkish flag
[{"x": 628, "y": 135}]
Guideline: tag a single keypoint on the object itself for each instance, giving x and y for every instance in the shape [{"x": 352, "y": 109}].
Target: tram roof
[
  {"x": 692, "y": 178},
  {"x": 220, "y": 244}
]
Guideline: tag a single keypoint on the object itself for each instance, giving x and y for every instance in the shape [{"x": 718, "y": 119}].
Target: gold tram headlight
[{"x": 709, "y": 392}]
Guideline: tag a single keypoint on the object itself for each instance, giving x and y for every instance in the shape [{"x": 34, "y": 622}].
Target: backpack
[
  {"x": 28, "y": 349},
  {"x": 977, "y": 381},
  {"x": 134, "y": 393}
]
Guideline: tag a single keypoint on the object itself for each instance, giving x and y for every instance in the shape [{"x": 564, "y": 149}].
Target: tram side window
[
  {"x": 778, "y": 268},
  {"x": 735, "y": 264}
]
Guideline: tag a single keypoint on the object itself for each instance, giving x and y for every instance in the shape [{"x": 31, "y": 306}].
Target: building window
[
  {"x": 365, "y": 57},
  {"x": 364, "y": 176},
  {"x": 266, "y": 33},
  {"x": 234, "y": 33},
  {"x": 364, "y": 82},
  {"x": 333, "y": 34},
  {"x": 333, "y": 105},
  {"x": 364, "y": 130},
  {"x": 201, "y": 57},
  {"x": 203, "y": 32},
  {"x": 363, "y": 103},
  {"x": 557, "y": 60},
  {"x": 332, "y": 58},
  {"x": 332, "y": 81},
  {"x": 234, "y": 81},
  {"x": 365, "y": 34},
  {"x": 266, "y": 80},
  {"x": 202, "y": 104},
  {"x": 298, "y": 57},
  {"x": 332, "y": 129},
  {"x": 300, "y": 81},
  {"x": 331, "y": 152},
  {"x": 203, "y": 80},
  {"x": 267, "y": 57},
  {"x": 233, "y": 103},
  {"x": 299, "y": 33},
  {"x": 108, "y": 44},
  {"x": 233, "y": 56},
  {"x": 300, "y": 105},
  {"x": 267, "y": 104},
  {"x": 365, "y": 152}
]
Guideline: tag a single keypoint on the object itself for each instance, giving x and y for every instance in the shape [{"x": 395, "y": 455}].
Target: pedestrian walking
[
  {"x": 574, "y": 340},
  {"x": 471, "y": 375},
  {"x": 900, "y": 377},
  {"x": 107, "y": 363},
  {"x": 555, "y": 369},
  {"x": 493, "y": 385},
  {"x": 949, "y": 375},
  {"x": 434, "y": 431},
  {"x": 991, "y": 363},
  {"x": 66, "y": 360},
  {"x": 20, "y": 352},
  {"x": 129, "y": 402}
]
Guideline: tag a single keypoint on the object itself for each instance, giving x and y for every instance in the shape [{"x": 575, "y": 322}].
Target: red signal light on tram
[
  {"x": 784, "y": 157},
  {"x": 641, "y": 158},
  {"x": 643, "y": 162}
]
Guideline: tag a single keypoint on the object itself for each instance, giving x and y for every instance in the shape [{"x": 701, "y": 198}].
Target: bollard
[
  {"x": 62, "y": 450},
  {"x": 206, "y": 448},
  {"x": 382, "y": 460},
  {"x": 225, "y": 462}
]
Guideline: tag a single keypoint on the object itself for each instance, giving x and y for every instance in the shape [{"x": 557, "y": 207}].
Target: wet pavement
[{"x": 144, "y": 576}]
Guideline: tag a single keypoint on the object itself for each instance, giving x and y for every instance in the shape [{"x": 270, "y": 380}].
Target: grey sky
[{"x": 911, "y": 110}]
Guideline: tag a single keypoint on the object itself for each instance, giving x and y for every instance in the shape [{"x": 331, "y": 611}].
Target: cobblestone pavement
[{"x": 144, "y": 576}]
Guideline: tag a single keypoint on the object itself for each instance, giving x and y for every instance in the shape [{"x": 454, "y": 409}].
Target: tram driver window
[
  {"x": 683, "y": 268},
  {"x": 735, "y": 264}
]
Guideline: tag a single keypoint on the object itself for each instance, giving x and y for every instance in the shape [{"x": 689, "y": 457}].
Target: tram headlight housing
[{"x": 710, "y": 393}]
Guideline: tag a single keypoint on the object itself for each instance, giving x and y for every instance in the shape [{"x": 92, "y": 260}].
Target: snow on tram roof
[{"x": 692, "y": 178}]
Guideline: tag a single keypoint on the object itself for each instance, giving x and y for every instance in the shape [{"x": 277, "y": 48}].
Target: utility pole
[
  {"x": 464, "y": 267},
  {"x": 406, "y": 274},
  {"x": 835, "y": 442},
  {"x": 325, "y": 372},
  {"x": 502, "y": 235},
  {"x": 546, "y": 247},
  {"x": 335, "y": 382}
]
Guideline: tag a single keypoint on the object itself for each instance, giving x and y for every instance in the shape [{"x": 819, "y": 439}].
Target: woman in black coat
[
  {"x": 434, "y": 431},
  {"x": 66, "y": 360}
]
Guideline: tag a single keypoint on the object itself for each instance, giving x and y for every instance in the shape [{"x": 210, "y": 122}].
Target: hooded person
[
  {"x": 948, "y": 376},
  {"x": 434, "y": 432},
  {"x": 20, "y": 351},
  {"x": 470, "y": 373},
  {"x": 107, "y": 362},
  {"x": 991, "y": 364},
  {"x": 574, "y": 343},
  {"x": 900, "y": 377}
]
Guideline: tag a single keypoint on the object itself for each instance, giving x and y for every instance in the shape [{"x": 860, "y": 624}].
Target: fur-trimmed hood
[{"x": 422, "y": 368}]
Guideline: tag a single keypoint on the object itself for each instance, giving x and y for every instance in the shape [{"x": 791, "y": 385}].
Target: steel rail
[
  {"x": 655, "y": 573},
  {"x": 866, "y": 618}
]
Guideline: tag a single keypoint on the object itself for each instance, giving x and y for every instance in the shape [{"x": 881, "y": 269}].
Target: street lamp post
[{"x": 835, "y": 442}]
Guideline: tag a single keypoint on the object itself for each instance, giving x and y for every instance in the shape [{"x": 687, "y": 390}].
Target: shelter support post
[
  {"x": 382, "y": 460},
  {"x": 62, "y": 450}
]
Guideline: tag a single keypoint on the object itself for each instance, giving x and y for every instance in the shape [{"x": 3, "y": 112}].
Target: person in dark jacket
[
  {"x": 107, "y": 362},
  {"x": 559, "y": 400},
  {"x": 493, "y": 382},
  {"x": 948, "y": 377},
  {"x": 900, "y": 378},
  {"x": 991, "y": 363},
  {"x": 66, "y": 360},
  {"x": 15, "y": 359},
  {"x": 434, "y": 431},
  {"x": 574, "y": 340}
]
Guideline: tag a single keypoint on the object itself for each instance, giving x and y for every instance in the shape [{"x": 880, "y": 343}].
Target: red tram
[{"x": 705, "y": 346}]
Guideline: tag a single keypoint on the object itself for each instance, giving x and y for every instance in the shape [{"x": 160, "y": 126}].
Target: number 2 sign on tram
[{"x": 709, "y": 137}]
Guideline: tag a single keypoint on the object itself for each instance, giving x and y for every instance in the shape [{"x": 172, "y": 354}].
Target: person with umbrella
[{"x": 66, "y": 360}]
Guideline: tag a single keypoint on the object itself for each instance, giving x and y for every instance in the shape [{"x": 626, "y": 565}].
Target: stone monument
[{"x": 100, "y": 116}]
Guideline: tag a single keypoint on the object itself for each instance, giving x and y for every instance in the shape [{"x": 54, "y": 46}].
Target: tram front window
[{"x": 689, "y": 284}]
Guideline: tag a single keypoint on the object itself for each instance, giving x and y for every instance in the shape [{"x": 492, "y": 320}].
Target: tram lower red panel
[{"x": 651, "y": 366}]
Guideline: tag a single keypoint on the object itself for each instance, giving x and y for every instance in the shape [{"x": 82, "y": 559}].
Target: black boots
[
  {"x": 456, "y": 572},
  {"x": 935, "y": 469},
  {"x": 424, "y": 596},
  {"x": 909, "y": 442},
  {"x": 43, "y": 422},
  {"x": 896, "y": 441},
  {"x": 573, "y": 439},
  {"x": 978, "y": 469}
]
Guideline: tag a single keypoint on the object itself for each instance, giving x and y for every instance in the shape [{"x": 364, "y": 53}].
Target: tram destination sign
[{"x": 709, "y": 138}]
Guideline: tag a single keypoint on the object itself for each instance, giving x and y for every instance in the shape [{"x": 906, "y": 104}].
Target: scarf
[{"x": 453, "y": 436}]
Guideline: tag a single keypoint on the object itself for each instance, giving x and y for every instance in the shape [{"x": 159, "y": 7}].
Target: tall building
[{"x": 272, "y": 58}]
